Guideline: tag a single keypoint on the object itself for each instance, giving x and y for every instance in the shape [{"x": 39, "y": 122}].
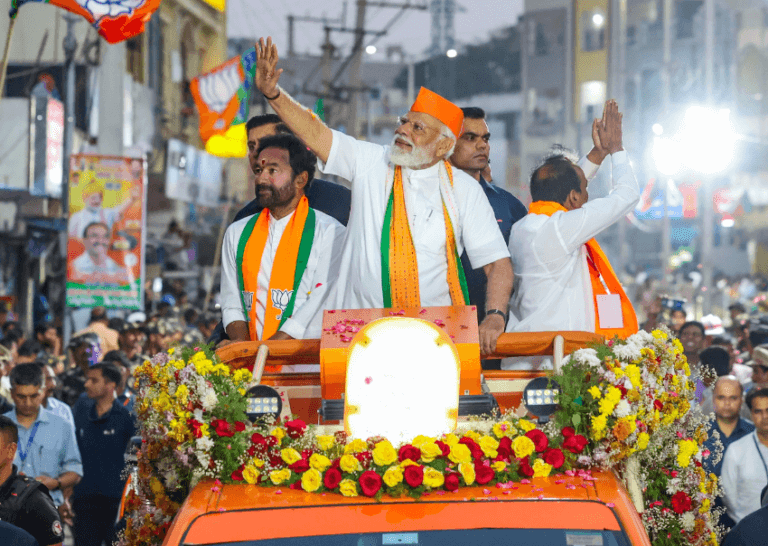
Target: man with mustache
[
  {"x": 272, "y": 261},
  {"x": 93, "y": 211},
  {"x": 412, "y": 215},
  {"x": 93, "y": 265}
]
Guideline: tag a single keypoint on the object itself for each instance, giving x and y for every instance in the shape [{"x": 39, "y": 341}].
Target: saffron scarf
[
  {"x": 399, "y": 267},
  {"x": 599, "y": 268},
  {"x": 287, "y": 269}
]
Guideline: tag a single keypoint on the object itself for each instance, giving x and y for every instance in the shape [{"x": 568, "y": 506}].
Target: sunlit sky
[{"x": 474, "y": 22}]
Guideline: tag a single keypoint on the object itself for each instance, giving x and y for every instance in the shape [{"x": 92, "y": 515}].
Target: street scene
[{"x": 361, "y": 264}]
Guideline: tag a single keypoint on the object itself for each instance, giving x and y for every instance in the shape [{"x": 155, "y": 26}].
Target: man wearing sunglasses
[{"x": 412, "y": 215}]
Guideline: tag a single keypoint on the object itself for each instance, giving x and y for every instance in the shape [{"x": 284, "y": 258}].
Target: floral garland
[{"x": 620, "y": 401}]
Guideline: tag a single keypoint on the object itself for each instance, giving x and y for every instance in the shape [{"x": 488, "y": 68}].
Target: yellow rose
[
  {"x": 384, "y": 454},
  {"x": 499, "y": 466},
  {"x": 348, "y": 488},
  {"x": 467, "y": 471},
  {"x": 280, "y": 476},
  {"x": 430, "y": 451},
  {"x": 393, "y": 476},
  {"x": 421, "y": 440},
  {"x": 594, "y": 390},
  {"x": 325, "y": 442},
  {"x": 489, "y": 446},
  {"x": 251, "y": 474},
  {"x": 460, "y": 454},
  {"x": 355, "y": 446},
  {"x": 319, "y": 462},
  {"x": 541, "y": 469},
  {"x": 290, "y": 455},
  {"x": 526, "y": 425},
  {"x": 433, "y": 478},
  {"x": 473, "y": 435},
  {"x": 502, "y": 429},
  {"x": 451, "y": 439},
  {"x": 278, "y": 433},
  {"x": 311, "y": 480},
  {"x": 256, "y": 462},
  {"x": 349, "y": 463},
  {"x": 407, "y": 462},
  {"x": 523, "y": 446}
]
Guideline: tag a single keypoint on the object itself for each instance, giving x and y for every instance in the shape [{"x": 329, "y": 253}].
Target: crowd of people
[{"x": 67, "y": 416}]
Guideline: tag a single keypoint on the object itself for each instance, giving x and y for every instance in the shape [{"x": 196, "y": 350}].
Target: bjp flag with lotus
[
  {"x": 221, "y": 96},
  {"x": 115, "y": 20}
]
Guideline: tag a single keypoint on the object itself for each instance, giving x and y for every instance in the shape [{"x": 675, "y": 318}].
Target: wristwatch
[{"x": 497, "y": 312}]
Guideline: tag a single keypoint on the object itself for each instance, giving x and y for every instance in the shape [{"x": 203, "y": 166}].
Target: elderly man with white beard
[{"x": 412, "y": 214}]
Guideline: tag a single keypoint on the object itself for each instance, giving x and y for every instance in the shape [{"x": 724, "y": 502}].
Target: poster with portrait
[{"x": 105, "y": 244}]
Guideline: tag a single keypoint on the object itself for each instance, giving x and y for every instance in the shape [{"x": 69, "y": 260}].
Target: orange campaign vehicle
[{"x": 401, "y": 438}]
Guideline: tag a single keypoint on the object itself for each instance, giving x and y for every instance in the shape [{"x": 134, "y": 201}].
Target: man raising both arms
[
  {"x": 563, "y": 280},
  {"x": 412, "y": 213}
]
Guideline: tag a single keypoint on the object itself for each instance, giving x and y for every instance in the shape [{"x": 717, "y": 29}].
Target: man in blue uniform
[{"x": 471, "y": 155}]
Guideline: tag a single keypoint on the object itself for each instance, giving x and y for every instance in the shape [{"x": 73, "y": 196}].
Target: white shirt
[
  {"x": 329, "y": 234},
  {"x": 86, "y": 267},
  {"x": 83, "y": 218},
  {"x": 743, "y": 476},
  {"x": 553, "y": 290},
  {"x": 365, "y": 164}
]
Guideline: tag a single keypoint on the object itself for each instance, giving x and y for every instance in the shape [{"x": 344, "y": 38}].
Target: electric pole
[{"x": 357, "y": 59}]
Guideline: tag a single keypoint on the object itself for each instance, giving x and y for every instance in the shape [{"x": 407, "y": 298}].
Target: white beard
[{"x": 416, "y": 158}]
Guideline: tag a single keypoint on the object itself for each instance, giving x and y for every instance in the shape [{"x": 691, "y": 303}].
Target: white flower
[
  {"x": 688, "y": 520},
  {"x": 587, "y": 356},
  {"x": 204, "y": 443},
  {"x": 622, "y": 409},
  {"x": 629, "y": 352},
  {"x": 209, "y": 400},
  {"x": 198, "y": 415},
  {"x": 641, "y": 339}
]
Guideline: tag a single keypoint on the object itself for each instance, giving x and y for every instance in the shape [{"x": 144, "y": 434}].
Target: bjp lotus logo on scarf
[
  {"x": 280, "y": 300},
  {"x": 248, "y": 300}
]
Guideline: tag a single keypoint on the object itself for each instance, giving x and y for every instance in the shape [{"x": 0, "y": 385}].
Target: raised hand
[
  {"x": 267, "y": 75},
  {"x": 609, "y": 131}
]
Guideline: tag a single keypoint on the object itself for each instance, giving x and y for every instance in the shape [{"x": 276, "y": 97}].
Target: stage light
[{"x": 541, "y": 397}]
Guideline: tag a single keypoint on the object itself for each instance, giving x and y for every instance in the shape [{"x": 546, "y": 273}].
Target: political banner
[
  {"x": 114, "y": 20},
  {"x": 221, "y": 95},
  {"x": 105, "y": 245}
]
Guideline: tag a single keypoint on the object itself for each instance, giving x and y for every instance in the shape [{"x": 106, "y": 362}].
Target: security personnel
[{"x": 25, "y": 502}]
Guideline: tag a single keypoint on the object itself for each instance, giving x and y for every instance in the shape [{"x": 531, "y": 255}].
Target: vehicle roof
[{"x": 599, "y": 500}]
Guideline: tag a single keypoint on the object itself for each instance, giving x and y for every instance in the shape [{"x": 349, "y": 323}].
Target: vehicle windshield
[{"x": 473, "y": 537}]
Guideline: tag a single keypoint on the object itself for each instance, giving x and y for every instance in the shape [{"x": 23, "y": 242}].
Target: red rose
[
  {"x": 409, "y": 452},
  {"x": 658, "y": 404},
  {"x": 445, "y": 448},
  {"x": 336, "y": 463},
  {"x": 504, "y": 450},
  {"x": 568, "y": 432},
  {"x": 295, "y": 428},
  {"x": 365, "y": 457},
  {"x": 414, "y": 475},
  {"x": 296, "y": 485},
  {"x": 525, "y": 468},
  {"x": 332, "y": 478},
  {"x": 237, "y": 475},
  {"x": 681, "y": 502},
  {"x": 195, "y": 427},
  {"x": 251, "y": 451},
  {"x": 306, "y": 453},
  {"x": 275, "y": 460},
  {"x": 623, "y": 390},
  {"x": 540, "y": 439},
  {"x": 341, "y": 437},
  {"x": 452, "y": 481},
  {"x": 271, "y": 441},
  {"x": 370, "y": 483},
  {"x": 239, "y": 426},
  {"x": 554, "y": 457},
  {"x": 300, "y": 466},
  {"x": 222, "y": 428},
  {"x": 474, "y": 449},
  {"x": 575, "y": 444},
  {"x": 483, "y": 474},
  {"x": 258, "y": 439}
]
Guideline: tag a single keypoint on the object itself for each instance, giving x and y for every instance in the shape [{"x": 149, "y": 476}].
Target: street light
[
  {"x": 598, "y": 20},
  {"x": 451, "y": 53},
  {"x": 371, "y": 49}
]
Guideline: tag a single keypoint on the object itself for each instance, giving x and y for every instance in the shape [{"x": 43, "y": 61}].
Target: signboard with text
[{"x": 105, "y": 245}]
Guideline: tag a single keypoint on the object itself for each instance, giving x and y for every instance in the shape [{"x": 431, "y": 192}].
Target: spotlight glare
[
  {"x": 598, "y": 20},
  {"x": 451, "y": 53},
  {"x": 371, "y": 49}
]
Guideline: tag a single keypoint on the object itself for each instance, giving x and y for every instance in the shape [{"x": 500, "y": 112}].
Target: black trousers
[{"x": 95, "y": 520}]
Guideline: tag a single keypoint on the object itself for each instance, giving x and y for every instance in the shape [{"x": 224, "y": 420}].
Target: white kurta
[
  {"x": 85, "y": 217},
  {"x": 358, "y": 285},
  {"x": 553, "y": 290},
  {"x": 326, "y": 247}
]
